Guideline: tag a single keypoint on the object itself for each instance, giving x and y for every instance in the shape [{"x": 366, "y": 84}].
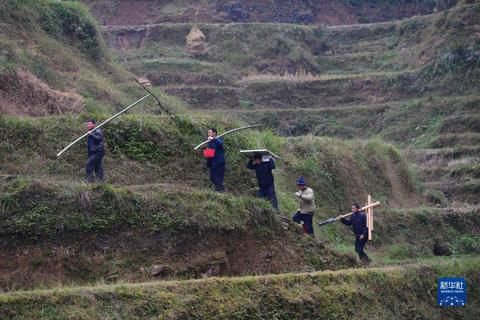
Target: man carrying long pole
[
  {"x": 215, "y": 156},
  {"x": 96, "y": 145},
  {"x": 102, "y": 124},
  {"x": 214, "y": 153},
  {"x": 358, "y": 221},
  {"x": 96, "y": 152}
]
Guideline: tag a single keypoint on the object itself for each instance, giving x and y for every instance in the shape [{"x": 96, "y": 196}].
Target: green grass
[
  {"x": 403, "y": 235},
  {"x": 69, "y": 22},
  {"x": 472, "y": 171},
  {"x": 389, "y": 84},
  {"x": 238, "y": 49},
  {"x": 140, "y": 151},
  {"x": 419, "y": 228},
  {"x": 466, "y": 244},
  {"x": 332, "y": 295},
  {"x": 401, "y": 122},
  {"x": 111, "y": 234},
  {"x": 44, "y": 212},
  {"x": 66, "y": 51},
  {"x": 152, "y": 193},
  {"x": 157, "y": 198},
  {"x": 33, "y": 209}
]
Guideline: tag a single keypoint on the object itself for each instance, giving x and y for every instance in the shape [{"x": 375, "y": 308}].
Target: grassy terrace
[
  {"x": 77, "y": 233},
  {"x": 436, "y": 41},
  {"x": 402, "y": 292},
  {"x": 423, "y": 122},
  {"x": 92, "y": 251},
  {"x": 50, "y": 51},
  {"x": 147, "y": 150}
]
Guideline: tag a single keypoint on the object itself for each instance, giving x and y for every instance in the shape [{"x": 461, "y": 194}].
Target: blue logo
[{"x": 452, "y": 292}]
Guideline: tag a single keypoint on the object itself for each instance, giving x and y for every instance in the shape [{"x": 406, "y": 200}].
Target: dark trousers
[
  {"x": 307, "y": 221},
  {"x": 217, "y": 173},
  {"x": 268, "y": 192},
  {"x": 359, "y": 245},
  {"x": 95, "y": 164}
]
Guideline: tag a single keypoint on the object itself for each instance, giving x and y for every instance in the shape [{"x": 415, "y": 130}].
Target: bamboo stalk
[
  {"x": 369, "y": 217},
  {"x": 228, "y": 132},
  {"x": 102, "y": 124}
]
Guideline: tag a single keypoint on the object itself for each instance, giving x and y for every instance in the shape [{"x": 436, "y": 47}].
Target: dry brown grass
[
  {"x": 300, "y": 75},
  {"x": 22, "y": 93},
  {"x": 195, "y": 42},
  {"x": 304, "y": 76}
]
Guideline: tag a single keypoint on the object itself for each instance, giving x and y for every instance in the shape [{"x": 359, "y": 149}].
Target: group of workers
[{"x": 214, "y": 154}]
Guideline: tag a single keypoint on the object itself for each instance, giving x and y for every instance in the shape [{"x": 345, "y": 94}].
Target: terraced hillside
[
  {"x": 326, "y": 12},
  {"x": 388, "y": 109},
  {"x": 56, "y": 228},
  {"x": 412, "y": 82}
]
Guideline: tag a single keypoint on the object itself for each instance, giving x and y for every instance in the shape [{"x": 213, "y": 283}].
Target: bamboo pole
[
  {"x": 321, "y": 223},
  {"x": 228, "y": 132},
  {"x": 102, "y": 124},
  {"x": 369, "y": 217}
]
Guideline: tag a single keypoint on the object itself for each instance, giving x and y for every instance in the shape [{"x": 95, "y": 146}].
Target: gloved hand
[
  {"x": 298, "y": 193},
  {"x": 210, "y": 138}
]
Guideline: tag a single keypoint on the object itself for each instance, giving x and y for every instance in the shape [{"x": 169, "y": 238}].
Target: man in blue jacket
[
  {"x": 217, "y": 162},
  {"x": 96, "y": 151},
  {"x": 358, "y": 221},
  {"x": 263, "y": 171}
]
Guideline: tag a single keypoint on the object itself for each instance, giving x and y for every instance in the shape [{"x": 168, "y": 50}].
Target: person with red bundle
[{"x": 215, "y": 156}]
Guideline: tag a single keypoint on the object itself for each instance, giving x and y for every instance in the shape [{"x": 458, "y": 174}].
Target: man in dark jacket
[
  {"x": 96, "y": 151},
  {"x": 358, "y": 221},
  {"x": 217, "y": 162},
  {"x": 263, "y": 171}
]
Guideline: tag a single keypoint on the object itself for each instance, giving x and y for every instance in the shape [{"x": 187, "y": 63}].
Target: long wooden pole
[
  {"x": 228, "y": 132},
  {"x": 369, "y": 218},
  {"x": 102, "y": 124},
  {"x": 321, "y": 223}
]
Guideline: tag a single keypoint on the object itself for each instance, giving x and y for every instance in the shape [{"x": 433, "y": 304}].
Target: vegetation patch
[
  {"x": 45, "y": 210},
  {"x": 68, "y": 21},
  {"x": 307, "y": 296},
  {"x": 148, "y": 150}
]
